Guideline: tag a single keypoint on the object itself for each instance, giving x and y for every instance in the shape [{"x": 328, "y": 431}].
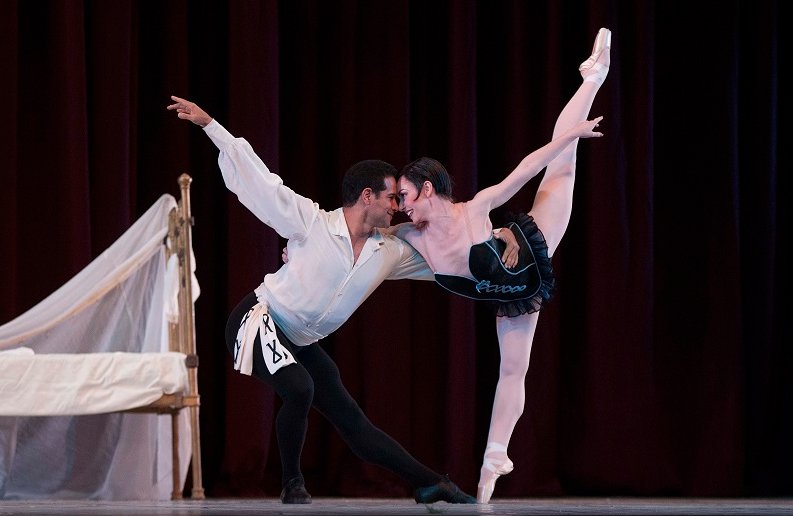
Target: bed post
[{"x": 187, "y": 329}]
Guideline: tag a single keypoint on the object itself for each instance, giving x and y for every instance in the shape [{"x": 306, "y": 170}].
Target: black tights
[{"x": 315, "y": 380}]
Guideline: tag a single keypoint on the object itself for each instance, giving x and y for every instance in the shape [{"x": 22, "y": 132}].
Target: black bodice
[{"x": 493, "y": 281}]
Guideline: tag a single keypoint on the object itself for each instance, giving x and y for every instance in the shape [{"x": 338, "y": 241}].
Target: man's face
[{"x": 384, "y": 204}]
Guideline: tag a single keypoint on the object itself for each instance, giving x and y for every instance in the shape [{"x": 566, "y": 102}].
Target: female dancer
[{"x": 456, "y": 240}]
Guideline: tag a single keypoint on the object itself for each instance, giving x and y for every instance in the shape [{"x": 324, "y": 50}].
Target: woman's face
[{"x": 410, "y": 201}]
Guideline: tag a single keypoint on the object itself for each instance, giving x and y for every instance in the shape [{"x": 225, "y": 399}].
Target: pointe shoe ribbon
[
  {"x": 497, "y": 467},
  {"x": 592, "y": 69}
]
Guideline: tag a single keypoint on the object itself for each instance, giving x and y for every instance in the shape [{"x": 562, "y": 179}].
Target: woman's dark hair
[
  {"x": 370, "y": 173},
  {"x": 428, "y": 169}
]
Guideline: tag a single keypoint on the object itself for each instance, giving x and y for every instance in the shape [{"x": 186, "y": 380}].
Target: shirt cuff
[{"x": 218, "y": 134}]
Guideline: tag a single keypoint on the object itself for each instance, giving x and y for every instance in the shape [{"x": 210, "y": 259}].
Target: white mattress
[{"x": 86, "y": 383}]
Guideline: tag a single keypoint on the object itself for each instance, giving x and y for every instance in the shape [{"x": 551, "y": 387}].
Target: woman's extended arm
[{"x": 496, "y": 195}]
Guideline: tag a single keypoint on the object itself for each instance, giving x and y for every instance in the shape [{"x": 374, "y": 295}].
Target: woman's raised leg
[{"x": 553, "y": 203}]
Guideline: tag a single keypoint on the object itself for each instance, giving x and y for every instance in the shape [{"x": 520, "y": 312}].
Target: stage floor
[{"x": 401, "y": 506}]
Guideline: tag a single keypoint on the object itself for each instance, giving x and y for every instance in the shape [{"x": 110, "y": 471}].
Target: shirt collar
[{"x": 337, "y": 224}]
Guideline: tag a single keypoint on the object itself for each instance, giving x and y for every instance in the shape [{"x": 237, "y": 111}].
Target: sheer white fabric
[{"x": 121, "y": 302}]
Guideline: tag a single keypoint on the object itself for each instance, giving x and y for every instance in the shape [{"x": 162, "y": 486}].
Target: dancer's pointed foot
[
  {"x": 596, "y": 67},
  {"x": 495, "y": 464}
]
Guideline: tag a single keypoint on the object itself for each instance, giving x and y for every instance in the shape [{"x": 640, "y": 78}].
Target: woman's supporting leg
[{"x": 515, "y": 335}]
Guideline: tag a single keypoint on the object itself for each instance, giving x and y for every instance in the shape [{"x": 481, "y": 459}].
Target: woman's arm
[{"x": 496, "y": 195}]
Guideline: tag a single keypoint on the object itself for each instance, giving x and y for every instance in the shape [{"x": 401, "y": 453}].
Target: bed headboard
[
  {"x": 182, "y": 333},
  {"x": 121, "y": 309}
]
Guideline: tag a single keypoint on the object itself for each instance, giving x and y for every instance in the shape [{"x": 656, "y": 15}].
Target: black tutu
[
  {"x": 523, "y": 289},
  {"x": 539, "y": 248}
]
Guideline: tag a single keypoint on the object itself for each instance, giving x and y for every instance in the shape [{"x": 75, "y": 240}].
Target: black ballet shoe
[
  {"x": 445, "y": 490},
  {"x": 295, "y": 492}
]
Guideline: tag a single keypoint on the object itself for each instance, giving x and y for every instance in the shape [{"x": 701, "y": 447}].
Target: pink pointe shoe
[
  {"x": 596, "y": 67},
  {"x": 495, "y": 468}
]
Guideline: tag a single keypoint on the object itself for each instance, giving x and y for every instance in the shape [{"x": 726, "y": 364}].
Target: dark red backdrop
[{"x": 663, "y": 365}]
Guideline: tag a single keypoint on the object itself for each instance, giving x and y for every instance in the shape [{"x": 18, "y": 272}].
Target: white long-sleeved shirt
[{"x": 319, "y": 288}]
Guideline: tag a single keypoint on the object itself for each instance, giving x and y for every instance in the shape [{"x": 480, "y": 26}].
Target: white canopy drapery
[{"x": 117, "y": 307}]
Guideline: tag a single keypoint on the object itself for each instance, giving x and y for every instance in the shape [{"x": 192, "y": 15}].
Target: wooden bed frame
[{"x": 181, "y": 336}]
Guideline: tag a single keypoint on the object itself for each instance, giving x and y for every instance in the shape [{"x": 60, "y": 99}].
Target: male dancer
[{"x": 336, "y": 260}]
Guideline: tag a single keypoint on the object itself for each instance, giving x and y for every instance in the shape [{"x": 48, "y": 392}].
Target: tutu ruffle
[{"x": 547, "y": 280}]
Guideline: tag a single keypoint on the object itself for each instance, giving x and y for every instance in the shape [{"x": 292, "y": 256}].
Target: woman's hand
[
  {"x": 586, "y": 128},
  {"x": 510, "y": 256}
]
